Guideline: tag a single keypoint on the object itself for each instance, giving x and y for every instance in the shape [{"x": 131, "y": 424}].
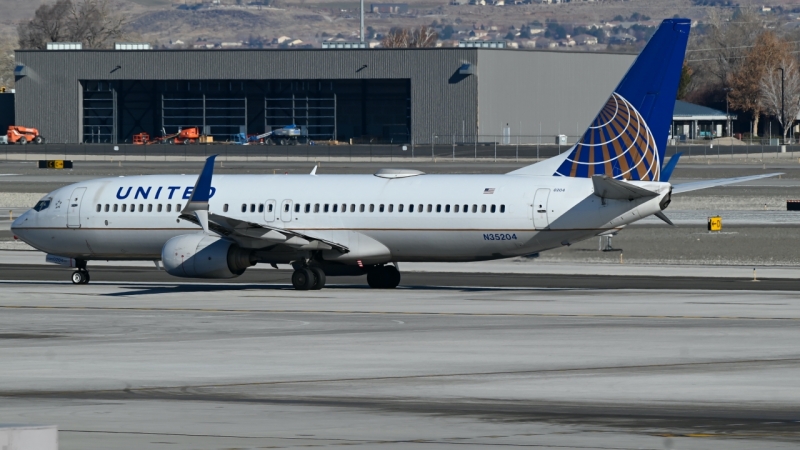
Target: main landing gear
[
  {"x": 308, "y": 278},
  {"x": 383, "y": 277},
  {"x": 81, "y": 276}
]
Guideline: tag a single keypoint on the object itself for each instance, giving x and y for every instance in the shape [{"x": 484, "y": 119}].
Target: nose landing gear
[
  {"x": 80, "y": 276},
  {"x": 383, "y": 277}
]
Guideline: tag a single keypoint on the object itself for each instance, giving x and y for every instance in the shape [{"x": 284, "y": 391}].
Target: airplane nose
[{"x": 17, "y": 226}]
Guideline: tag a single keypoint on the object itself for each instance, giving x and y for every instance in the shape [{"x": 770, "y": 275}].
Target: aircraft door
[
  {"x": 540, "y": 220},
  {"x": 286, "y": 211},
  {"x": 269, "y": 211},
  {"x": 74, "y": 208}
]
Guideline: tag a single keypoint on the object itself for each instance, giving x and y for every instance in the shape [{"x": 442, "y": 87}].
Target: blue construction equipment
[{"x": 288, "y": 135}]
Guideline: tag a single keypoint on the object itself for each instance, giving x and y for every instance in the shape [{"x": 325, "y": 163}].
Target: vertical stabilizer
[{"x": 628, "y": 137}]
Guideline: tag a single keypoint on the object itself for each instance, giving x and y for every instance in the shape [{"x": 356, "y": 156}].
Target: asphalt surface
[{"x": 224, "y": 365}]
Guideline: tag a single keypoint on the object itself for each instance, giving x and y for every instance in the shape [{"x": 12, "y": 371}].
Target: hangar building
[{"x": 368, "y": 95}]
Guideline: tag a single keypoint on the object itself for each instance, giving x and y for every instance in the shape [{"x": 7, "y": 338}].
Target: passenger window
[
  {"x": 420, "y": 209},
  {"x": 178, "y": 207},
  {"x": 391, "y": 208},
  {"x": 466, "y": 208},
  {"x": 150, "y": 208},
  {"x": 316, "y": 207},
  {"x": 380, "y": 208},
  {"x": 261, "y": 207},
  {"x": 430, "y": 208},
  {"x": 325, "y": 208},
  {"x": 224, "y": 208},
  {"x": 483, "y": 208},
  {"x": 269, "y": 207},
  {"x": 115, "y": 207},
  {"x": 133, "y": 207},
  {"x": 344, "y": 207},
  {"x": 296, "y": 207},
  {"x": 410, "y": 208},
  {"x": 124, "y": 207},
  {"x": 286, "y": 208},
  {"x": 455, "y": 208},
  {"x": 361, "y": 209},
  {"x": 502, "y": 208},
  {"x": 159, "y": 207},
  {"x": 141, "y": 207},
  {"x": 335, "y": 207},
  {"x": 371, "y": 208},
  {"x": 447, "y": 208},
  {"x": 474, "y": 208},
  {"x": 438, "y": 208},
  {"x": 252, "y": 207},
  {"x": 106, "y": 207},
  {"x": 308, "y": 207},
  {"x": 400, "y": 208},
  {"x": 169, "y": 207},
  {"x": 244, "y": 207},
  {"x": 353, "y": 207},
  {"x": 99, "y": 207},
  {"x": 493, "y": 209}
]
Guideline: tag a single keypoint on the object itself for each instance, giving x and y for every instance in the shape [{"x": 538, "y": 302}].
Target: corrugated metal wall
[
  {"x": 48, "y": 97},
  {"x": 562, "y": 91},
  {"x": 515, "y": 86}
]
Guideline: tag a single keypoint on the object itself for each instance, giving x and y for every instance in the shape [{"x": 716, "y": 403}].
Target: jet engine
[{"x": 204, "y": 256}]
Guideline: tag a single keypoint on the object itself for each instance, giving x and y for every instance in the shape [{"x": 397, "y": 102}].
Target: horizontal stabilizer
[
  {"x": 705, "y": 184},
  {"x": 607, "y": 187}
]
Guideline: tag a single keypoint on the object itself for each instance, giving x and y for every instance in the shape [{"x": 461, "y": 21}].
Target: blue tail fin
[{"x": 628, "y": 137}]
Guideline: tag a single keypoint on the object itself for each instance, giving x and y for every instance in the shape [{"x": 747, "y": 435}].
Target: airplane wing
[
  {"x": 705, "y": 184},
  {"x": 246, "y": 234}
]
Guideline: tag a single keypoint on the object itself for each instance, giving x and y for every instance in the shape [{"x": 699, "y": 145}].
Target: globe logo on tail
[{"x": 618, "y": 144}]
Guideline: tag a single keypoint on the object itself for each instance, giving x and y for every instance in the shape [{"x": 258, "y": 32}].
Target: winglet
[
  {"x": 666, "y": 172},
  {"x": 198, "y": 202}
]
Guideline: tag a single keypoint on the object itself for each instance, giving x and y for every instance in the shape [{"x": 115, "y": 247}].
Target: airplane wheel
[
  {"x": 319, "y": 278},
  {"x": 383, "y": 277},
  {"x": 78, "y": 277},
  {"x": 303, "y": 279}
]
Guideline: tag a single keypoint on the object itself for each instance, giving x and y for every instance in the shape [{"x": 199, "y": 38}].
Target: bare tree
[
  {"x": 745, "y": 82},
  {"x": 423, "y": 36},
  {"x": 728, "y": 40},
  {"x": 782, "y": 102},
  {"x": 90, "y": 22},
  {"x": 6, "y": 64}
]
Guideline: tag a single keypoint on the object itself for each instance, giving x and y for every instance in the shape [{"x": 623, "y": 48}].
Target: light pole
[
  {"x": 727, "y": 113},
  {"x": 783, "y": 126}
]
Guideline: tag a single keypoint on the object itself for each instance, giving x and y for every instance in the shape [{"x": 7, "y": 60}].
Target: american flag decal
[{"x": 488, "y": 191}]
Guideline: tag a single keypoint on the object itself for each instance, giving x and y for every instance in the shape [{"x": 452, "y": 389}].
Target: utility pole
[
  {"x": 783, "y": 125},
  {"x": 727, "y": 113},
  {"x": 362, "y": 21}
]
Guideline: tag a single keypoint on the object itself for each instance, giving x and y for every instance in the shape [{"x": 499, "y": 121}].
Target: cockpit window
[{"x": 43, "y": 204}]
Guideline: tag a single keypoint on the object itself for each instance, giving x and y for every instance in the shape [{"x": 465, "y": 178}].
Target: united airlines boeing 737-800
[{"x": 325, "y": 225}]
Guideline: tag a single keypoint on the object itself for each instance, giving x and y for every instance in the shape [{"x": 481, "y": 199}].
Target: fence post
[
  {"x": 475, "y": 142},
  {"x": 495, "y": 149},
  {"x": 454, "y": 148},
  {"x": 433, "y": 156}
]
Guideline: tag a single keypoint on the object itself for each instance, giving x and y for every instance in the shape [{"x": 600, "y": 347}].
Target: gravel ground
[{"x": 19, "y": 199}]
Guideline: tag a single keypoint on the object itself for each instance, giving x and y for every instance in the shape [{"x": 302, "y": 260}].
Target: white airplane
[{"x": 327, "y": 225}]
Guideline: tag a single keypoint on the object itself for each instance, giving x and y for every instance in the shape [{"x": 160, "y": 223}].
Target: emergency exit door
[
  {"x": 540, "y": 220},
  {"x": 74, "y": 208}
]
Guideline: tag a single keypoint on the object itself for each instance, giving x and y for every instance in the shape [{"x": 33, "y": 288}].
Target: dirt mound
[{"x": 727, "y": 141}]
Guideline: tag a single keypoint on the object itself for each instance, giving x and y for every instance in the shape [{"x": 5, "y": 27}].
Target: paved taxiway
[{"x": 168, "y": 365}]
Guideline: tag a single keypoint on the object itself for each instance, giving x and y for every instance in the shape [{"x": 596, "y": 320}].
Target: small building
[
  {"x": 389, "y": 8},
  {"x": 690, "y": 121},
  {"x": 585, "y": 39}
]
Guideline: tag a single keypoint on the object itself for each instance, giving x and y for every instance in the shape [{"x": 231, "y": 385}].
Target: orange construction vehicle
[
  {"x": 185, "y": 136},
  {"x": 23, "y": 135},
  {"x": 141, "y": 139}
]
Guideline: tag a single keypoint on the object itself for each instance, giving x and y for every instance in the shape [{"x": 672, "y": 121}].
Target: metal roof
[{"x": 690, "y": 111}]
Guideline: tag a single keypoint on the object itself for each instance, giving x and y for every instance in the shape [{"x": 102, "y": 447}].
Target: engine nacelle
[{"x": 203, "y": 256}]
